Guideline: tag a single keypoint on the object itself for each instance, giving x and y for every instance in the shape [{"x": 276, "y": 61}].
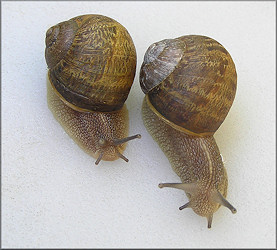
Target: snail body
[
  {"x": 92, "y": 64},
  {"x": 190, "y": 85}
]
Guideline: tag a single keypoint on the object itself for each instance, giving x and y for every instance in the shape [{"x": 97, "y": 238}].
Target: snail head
[{"x": 203, "y": 203}]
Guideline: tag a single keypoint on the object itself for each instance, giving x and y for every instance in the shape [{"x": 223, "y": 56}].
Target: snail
[
  {"x": 92, "y": 65},
  {"x": 190, "y": 84}
]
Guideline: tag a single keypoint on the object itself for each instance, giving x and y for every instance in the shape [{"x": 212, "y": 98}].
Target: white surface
[{"x": 52, "y": 193}]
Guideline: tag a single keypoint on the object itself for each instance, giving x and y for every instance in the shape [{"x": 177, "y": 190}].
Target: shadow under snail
[
  {"x": 92, "y": 65},
  {"x": 190, "y": 84}
]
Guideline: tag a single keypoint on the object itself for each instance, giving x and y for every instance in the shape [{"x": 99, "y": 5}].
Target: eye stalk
[
  {"x": 215, "y": 197},
  {"x": 104, "y": 143}
]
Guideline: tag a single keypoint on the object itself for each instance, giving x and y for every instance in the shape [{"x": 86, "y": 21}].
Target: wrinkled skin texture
[
  {"x": 196, "y": 160},
  {"x": 87, "y": 129}
]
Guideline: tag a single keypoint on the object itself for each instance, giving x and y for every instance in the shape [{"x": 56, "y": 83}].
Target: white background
[{"x": 52, "y": 193}]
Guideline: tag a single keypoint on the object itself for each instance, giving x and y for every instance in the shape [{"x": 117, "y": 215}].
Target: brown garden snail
[
  {"x": 190, "y": 84},
  {"x": 92, "y": 65}
]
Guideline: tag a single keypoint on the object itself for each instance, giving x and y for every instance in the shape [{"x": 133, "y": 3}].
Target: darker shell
[
  {"x": 92, "y": 62},
  {"x": 199, "y": 90}
]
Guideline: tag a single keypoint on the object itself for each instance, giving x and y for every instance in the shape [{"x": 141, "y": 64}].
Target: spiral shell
[
  {"x": 92, "y": 62},
  {"x": 190, "y": 81}
]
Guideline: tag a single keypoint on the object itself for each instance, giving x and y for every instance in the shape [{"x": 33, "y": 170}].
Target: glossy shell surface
[
  {"x": 92, "y": 62},
  {"x": 190, "y": 81}
]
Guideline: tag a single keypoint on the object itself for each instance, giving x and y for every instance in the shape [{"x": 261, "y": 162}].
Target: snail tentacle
[
  {"x": 218, "y": 198},
  {"x": 121, "y": 156},
  {"x": 99, "y": 158},
  {"x": 184, "y": 206},
  {"x": 188, "y": 187},
  {"x": 210, "y": 219},
  {"x": 123, "y": 140}
]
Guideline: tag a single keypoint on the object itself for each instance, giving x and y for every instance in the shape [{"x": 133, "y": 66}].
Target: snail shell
[
  {"x": 190, "y": 85},
  {"x": 190, "y": 80},
  {"x": 92, "y": 64}
]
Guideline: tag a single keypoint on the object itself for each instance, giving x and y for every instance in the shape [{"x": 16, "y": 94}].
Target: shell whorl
[
  {"x": 58, "y": 41},
  {"x": 92, "y": 62},
  {"x": 159, "y": 61},
  {"x": 198, "y": 86}
]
